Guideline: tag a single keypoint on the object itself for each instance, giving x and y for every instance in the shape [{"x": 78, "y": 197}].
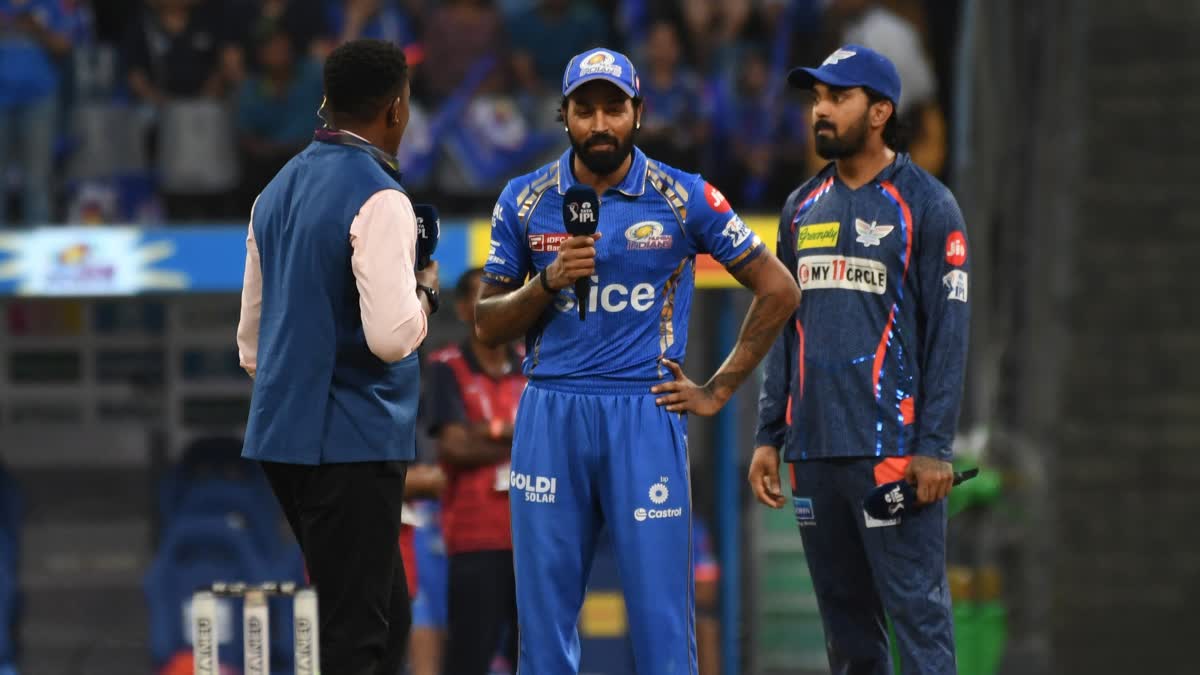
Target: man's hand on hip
[
  {"x": 683, "y": 395},
  {"x": 933, "y": 478},
  {"x": 764, "y": 476}
]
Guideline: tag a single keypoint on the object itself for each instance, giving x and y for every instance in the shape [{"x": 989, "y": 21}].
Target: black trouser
[
  {"x": 482, "y": 603},
  {"x": 346, "y": 518}
]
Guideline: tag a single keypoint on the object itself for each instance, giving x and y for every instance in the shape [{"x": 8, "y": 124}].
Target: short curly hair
[
  {"x": 896, "y": 132},
  {"x": 362, "y": 77}
]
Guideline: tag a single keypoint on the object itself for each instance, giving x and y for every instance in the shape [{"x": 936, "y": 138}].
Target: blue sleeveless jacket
[{"x": 320, "y": 395}]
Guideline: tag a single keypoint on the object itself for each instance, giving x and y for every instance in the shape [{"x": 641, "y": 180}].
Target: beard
[
  {"x": 840, "y": 146},
  {"x": 603, "y": 162}
]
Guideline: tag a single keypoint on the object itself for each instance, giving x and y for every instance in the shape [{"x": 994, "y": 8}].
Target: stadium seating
[
  {"x": 197, "y": 552},
  {"x": 216, "y": 457},
  {"x": 249, "y": 508},
  {"x": 11, "y": 516},
  {"x": 8, "y": 601},
  {"x": 213, "y": 480},
  {"x": 219, "y": 522}
]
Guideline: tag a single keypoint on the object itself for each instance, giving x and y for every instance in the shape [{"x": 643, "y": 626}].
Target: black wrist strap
[
  {"x": 430, "y": 295},
  {"x": 546, "y": 282}
]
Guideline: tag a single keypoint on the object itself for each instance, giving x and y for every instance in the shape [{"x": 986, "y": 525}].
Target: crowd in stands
[{"x": 181, "y": 110}]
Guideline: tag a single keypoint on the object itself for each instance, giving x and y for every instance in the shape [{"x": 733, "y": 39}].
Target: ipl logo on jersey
[{"x": 647, "y": 236}]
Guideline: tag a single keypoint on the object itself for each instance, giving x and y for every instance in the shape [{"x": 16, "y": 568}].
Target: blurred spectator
[
  {"x": 671, "y": 127},
  {"x": 174, "y": 54},
  {"x": 113, "y": 18},
  {"x": 276, "y": 110},
  {"x": 546, "y": 37},
  {"x": 174, "y": 50},
  {"x": 389, "y": 20},
  {"x": 707, "y": 575},
  {"x": 303, "y": 20},
  {"x": 869, "y": 23},
  {"x": 760, "y": 141},
  {"x": 714, "y": 25},
  {"x": 34, "y": 36},
  {"x": 460, "y": 35}
]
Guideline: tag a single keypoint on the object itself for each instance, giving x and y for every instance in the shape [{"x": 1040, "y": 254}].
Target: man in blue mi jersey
[
  {"x": 601, "y": 429},
  {"x": 864, "y": 386}
]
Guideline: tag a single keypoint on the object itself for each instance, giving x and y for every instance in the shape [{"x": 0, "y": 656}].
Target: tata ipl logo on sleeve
[
  {"x": 658, "y": 495},
  {"x": 737, "y": 231},
  {"x": 537, "y": 489},
  {"x": 955, "y": 282},
  {"x": 599, "y": 62}
]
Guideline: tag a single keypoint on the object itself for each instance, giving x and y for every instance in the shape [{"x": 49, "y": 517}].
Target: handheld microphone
[
  {"x": 890, "y": 500},
  {"x": 581, "y": 215},
  {"x": 429, "y": 229}
]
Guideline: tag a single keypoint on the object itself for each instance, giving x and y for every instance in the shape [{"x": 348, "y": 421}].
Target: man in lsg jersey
[
  {"x": 472, "y": 399},
  {"x": 864, "y": 386}
]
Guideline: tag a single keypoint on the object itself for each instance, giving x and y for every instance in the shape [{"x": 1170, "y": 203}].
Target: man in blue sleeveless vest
[
  {"x": 601, "y": 431},
  {"x": 332, "y": 315}
]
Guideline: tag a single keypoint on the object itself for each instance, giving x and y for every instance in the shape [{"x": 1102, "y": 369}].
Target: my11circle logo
[{"x": 659, "y": 494}]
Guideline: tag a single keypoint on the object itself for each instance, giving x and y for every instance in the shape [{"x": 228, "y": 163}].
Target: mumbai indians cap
[
  {"x": 601, "y": 64},
  {"x": 852, "y": 66}
]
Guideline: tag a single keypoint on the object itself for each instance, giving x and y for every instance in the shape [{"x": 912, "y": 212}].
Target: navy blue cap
[
  {"x": 852, "y": 66},
  {"x": 601, "y": 64}
]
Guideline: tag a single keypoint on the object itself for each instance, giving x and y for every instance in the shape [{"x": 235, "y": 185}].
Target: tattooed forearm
[
  {"x": 775, "y": 299},
  {"x": 506, "y": 314}
]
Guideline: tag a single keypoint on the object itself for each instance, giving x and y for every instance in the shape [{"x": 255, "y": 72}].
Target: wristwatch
[{"x": 432, "y": 295}]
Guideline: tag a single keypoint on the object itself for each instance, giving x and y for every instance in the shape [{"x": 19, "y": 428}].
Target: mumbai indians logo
[
  {"x": 647, "y": 235},
  {"x": 254, "y": 639},
  {"x": 304, "y": 647},
  {"x": 204, "y": 647},
  {"x": 599, "y": 62}
]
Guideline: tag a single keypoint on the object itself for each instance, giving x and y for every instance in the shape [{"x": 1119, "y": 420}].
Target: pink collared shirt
[{"x": 383, "y": 238}]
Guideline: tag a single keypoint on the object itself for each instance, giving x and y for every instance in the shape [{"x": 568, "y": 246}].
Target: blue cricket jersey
[
  {"x": 873, "y": 364},
  {"x": 653, "y": 224}
]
